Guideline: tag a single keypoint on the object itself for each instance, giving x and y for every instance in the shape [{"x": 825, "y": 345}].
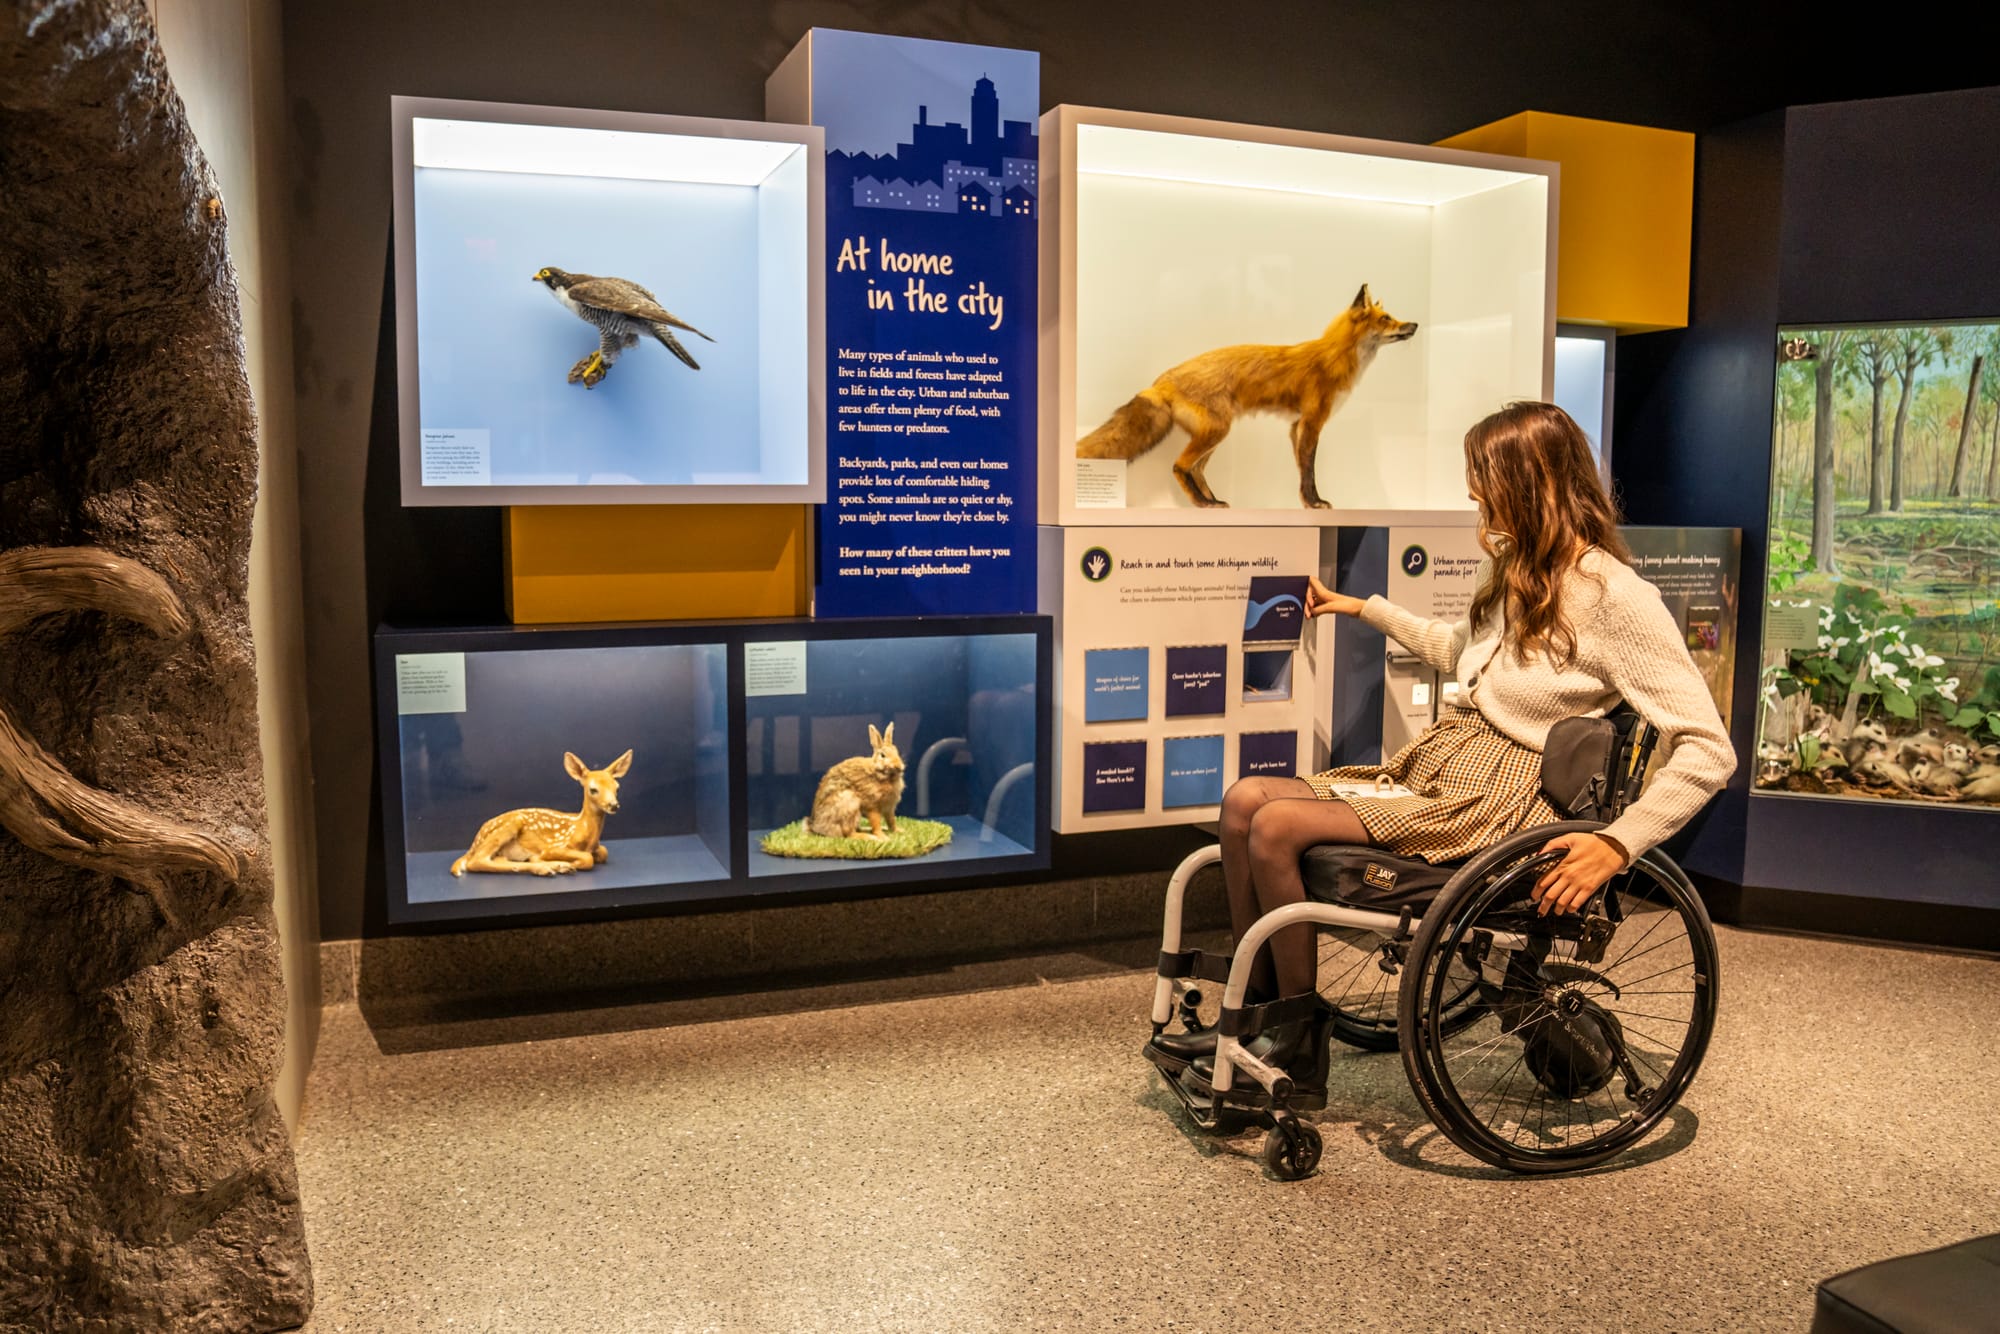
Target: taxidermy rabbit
[{"x": 867, "y": 785}]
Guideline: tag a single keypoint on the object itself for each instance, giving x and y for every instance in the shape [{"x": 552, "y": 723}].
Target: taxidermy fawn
[
  {"x": 867, "y": 785},
  {"x": 535, "y": 841},
  {"x": 1205, "y": 395}
]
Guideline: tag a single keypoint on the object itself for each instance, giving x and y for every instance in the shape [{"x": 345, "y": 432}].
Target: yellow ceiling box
[{"x": 1626, "y": 213}]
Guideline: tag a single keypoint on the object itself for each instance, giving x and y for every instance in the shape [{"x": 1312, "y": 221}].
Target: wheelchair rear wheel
[
  {"x": 1588, "y": 1028},
  {"x": 1358, "y": 976}
]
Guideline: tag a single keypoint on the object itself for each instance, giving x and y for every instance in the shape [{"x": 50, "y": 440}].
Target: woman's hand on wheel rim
[{"x": 1587, "y": 863}]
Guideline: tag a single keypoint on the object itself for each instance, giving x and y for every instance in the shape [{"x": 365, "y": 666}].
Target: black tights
[{"x": 1267, "y": 825}]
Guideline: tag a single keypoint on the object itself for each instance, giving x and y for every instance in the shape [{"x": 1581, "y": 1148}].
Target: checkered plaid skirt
[{"x": 1473, "y": 787}]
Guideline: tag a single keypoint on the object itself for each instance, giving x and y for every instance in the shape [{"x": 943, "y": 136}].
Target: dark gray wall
[{"x": 1396, "y": 71}]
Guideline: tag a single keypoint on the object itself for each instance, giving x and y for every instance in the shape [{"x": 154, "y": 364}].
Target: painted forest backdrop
[{"x": 1884, "y": 678}]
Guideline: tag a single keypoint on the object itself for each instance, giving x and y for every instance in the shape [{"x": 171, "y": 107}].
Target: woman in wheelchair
[{"x": 1560, "y": 625}]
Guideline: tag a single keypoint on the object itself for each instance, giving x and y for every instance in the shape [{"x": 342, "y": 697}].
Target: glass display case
[
  {"x": 599, "y": 306},
  {"x": 575, "y": 771},
  {"x": 1412, "y": 287},
  {"x": 1881, "y": 636},
  {"x": 963, "y": 713},
  {"x": 507, "y": 774}
]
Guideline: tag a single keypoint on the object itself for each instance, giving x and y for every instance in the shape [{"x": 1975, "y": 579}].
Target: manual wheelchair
[{"x": 1535, "y": 1043}]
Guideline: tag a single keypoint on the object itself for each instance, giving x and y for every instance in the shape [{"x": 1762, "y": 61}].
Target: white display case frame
[
  {"x": 804, "y": 216},
  {"x": 1060, "y": 427}
]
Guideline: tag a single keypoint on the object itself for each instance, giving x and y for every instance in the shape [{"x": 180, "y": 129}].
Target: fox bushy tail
[{"x": 1132, "y": 430}]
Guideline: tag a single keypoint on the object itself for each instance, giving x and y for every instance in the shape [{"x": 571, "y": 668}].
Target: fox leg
[
  {"x": 1305, "y": 451},
  {"x": 1204, "y": 434}
]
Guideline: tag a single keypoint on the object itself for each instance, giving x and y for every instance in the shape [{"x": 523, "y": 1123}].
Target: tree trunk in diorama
[
  {"x": 1876, "y": 358},
  {"x": 1993, "y": 456},
  {"x": 1909, "y": 379},
  {"x": 1965, "y": 426},
  {"x": 1825, "y": 490},
  {"x": 146, "y": 1178}
]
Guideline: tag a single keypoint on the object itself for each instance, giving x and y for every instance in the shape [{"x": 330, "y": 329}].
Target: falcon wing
[{"x": 628, "y": 298}]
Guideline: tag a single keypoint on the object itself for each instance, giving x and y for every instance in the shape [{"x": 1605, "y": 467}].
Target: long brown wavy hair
[{"x": 1542, "y": 505}]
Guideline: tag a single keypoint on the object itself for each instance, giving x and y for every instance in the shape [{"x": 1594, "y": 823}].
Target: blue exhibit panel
[
  {"x": 932, "y": 201},
  {"x": 1116, "y": 684}
]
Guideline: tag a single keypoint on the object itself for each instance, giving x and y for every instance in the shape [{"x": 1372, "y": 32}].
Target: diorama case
[
  {"x": 1166, "y": 238},
  {"x": 719, "y": 222},
  {"x": 968, "y": 716},
  {"x": 730, "y": 728},
  {"x": 1881, "y": 643}
]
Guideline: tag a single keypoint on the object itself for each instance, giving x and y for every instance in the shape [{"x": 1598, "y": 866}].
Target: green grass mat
[{"x": 913, "y": 838}]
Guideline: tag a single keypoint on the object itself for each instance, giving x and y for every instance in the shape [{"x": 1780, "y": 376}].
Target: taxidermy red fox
[{"x": 1204, "y": 396}]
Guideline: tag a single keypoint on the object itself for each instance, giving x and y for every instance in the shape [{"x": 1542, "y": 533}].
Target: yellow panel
[
  {"x": 588, "y": 563},
  {"x": 1626, "y": 209},
  {"x": 1508, "y": 137}
]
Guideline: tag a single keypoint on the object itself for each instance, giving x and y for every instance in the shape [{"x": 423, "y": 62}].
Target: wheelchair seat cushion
[{"x": 1364, "y": 877}]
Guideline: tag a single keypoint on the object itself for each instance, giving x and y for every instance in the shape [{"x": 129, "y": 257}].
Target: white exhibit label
[
  {"x": 457, "y": 456},
  {"x": 1791, "y": 627},
  {"x": 1420, "y": 694},
  {"x": 1100, "y": 484},
  {"x": 774, "y": 668},
  {"x": 430, "y": 683}
]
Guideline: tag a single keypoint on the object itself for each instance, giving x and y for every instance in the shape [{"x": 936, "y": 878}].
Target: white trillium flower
[{"x": 1949, "y": 689}]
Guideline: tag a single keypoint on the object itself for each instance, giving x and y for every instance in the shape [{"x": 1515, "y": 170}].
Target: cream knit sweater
[{"x": 1627, "y": 647}]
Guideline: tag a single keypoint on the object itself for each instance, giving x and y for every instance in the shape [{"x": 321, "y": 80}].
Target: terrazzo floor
[{"x": 999, "y": 1157}]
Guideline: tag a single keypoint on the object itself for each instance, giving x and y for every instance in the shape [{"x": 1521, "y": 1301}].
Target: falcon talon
[{"x": 620, "y": 310}]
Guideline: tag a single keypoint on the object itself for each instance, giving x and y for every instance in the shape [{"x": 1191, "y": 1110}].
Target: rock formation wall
[{"x": 146, "y": 1182}]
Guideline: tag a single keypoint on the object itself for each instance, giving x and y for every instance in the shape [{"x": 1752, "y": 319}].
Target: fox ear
[
  {"x": 875, "y": 737},
  {"x": 1361, "y": 298},
  {"x": 574, "y": 767},
  {"x": 620, "y": 765}
]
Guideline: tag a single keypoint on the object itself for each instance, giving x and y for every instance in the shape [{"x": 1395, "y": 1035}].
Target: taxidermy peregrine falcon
[{"x": 620, "y": 311}]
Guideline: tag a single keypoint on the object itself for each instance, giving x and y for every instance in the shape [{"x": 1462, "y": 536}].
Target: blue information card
[
  {"x": 1267, "y": 755},
  {"x": 1276, "y": 613},
  {"x": 1114, "y": 776},
  {"x": 1115, "y": 684},
  {"x": 1191, "y": 771},
  {"x": 1197, "y": 685}
]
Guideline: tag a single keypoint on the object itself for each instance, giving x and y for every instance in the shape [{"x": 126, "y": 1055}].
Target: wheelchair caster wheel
[
  {"x": 1190, "y": 1012},
  {"x": 1291, "y": 1149}
]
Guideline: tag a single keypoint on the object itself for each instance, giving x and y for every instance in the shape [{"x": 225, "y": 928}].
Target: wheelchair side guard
[
  {"x": 1179, "y": 964},
  {"x": 1170, "y": 933},
  {"x": 1175, "y": 968}
]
